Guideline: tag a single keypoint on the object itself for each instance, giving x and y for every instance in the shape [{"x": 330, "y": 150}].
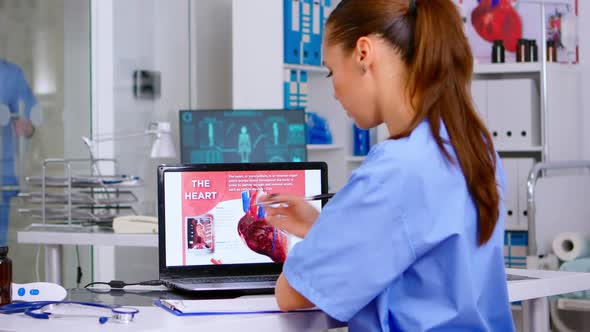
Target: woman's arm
[{"x": 288, "y": 298}]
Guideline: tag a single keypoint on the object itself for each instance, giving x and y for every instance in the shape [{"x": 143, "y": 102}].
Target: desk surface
[
  {"x": 545, "y": 283},
  {"x": 150, "y": 318},
  {"x": 84, "y": 236}
]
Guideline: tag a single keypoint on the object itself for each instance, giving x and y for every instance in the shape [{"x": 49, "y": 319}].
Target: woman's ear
[{"x": 364, "y": 53}]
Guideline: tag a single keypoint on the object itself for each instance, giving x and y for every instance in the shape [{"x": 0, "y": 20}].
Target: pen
[{"x": 308, "y": 198}]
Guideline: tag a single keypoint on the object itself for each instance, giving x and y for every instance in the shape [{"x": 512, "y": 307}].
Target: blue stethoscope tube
[{"x": 123, "y": 314}]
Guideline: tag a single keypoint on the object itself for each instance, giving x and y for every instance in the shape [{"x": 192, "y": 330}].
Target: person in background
[
  {"x": 14, "y": 94},
  {"x": 414, "y": 240}
]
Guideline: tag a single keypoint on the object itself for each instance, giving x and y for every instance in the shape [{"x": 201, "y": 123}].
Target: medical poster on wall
[
  {"x": 221, "y": 222},
  {"x": 511, "y": 20}
]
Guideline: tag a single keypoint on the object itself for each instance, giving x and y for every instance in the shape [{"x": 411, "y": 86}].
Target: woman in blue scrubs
[{"x": 414, "y": 240}]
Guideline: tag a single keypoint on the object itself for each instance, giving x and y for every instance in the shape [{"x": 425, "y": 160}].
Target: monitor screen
[
  {"x": 242, "y": 136},
  {"x": 211, "y": 217}
]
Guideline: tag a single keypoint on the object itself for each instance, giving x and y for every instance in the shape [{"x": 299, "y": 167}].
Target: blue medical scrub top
[
  {"x": 396, "y": 249},
  {"x": 13, "y": 91}
]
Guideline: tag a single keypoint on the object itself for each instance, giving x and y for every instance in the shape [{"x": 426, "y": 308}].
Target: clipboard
[{"x": 246, "y": 305}]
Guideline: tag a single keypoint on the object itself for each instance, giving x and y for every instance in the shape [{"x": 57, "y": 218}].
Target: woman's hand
[
  {"x": 293, "y": 214},
  {"x": 23, "y": 127}
]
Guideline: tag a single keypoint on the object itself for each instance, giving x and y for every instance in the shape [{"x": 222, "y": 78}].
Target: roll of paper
[{"x": 569, "y": 246}]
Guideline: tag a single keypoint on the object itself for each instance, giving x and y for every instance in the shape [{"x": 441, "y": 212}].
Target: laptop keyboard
[{"x": 215, "y": 280}]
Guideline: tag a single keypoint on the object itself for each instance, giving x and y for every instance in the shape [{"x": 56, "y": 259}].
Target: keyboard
[
  {"x": 512, "y": 277},
  {"x": 236, "y": 279}
]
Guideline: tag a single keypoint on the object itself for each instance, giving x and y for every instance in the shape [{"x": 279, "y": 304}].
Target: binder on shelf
[
  {"x": 306, "y": 27},
  {"x": 303, "y": 90},
  {"x": 479, "y": 93},
  {"x": 518, "y": 242},
  {"x": 326, "y": 10},
  {"x": 292, "y": 31},
  {"x": 513, "y": 112},
  {"x": 511, "y": 193},
  {"x": 498, "y": 107},
  {"x": 315, "y": 45},
  {"x": 524, "y": 167},
  {"x": 291, "y": 89}
]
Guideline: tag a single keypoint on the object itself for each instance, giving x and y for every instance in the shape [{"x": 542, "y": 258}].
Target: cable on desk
[{"x": 121, "y": 283}]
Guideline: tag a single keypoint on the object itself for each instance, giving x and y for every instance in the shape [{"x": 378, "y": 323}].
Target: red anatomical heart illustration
[
  {"x": 497, "y": 20},
  {"x": 261, "y": 237}
]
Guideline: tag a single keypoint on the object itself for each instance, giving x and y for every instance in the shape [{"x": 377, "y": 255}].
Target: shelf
[
  {"x": 548, "y": 2},
  {"x": 308, "y": 68},
  {"x": 525, "y": 149},
  {"x": 507, "y": 68},
  {"x": 516, "y": 228},
  {"x": 355, "y": 159},
  {"x": 322, "y": 147},
  {"x": 573, "y": 304}
]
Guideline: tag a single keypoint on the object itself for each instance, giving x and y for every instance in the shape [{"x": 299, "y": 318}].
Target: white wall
[
  {"x": 213, "y": 53},
  {"x": 149, "y": 35},
  {"x": 584, "y": 42}
]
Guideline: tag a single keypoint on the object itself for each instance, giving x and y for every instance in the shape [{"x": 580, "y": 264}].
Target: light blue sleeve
[
  {"x": 24, "y": 93},
  {"x": 357, "y": 247}
]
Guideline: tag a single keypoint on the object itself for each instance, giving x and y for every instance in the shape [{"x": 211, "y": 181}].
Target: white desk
[
  {"x": 533, "y": 292},
  {"x": 156, "y": 319},
  {"x": 104, "y": 248}
]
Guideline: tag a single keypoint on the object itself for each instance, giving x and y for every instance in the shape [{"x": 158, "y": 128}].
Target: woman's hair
[{"x": 428, "y": 34}]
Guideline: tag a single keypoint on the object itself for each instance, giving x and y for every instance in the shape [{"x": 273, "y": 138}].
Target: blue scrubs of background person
[
  {"x": 14, "y": 91},
  {"x": 414, "y": 241}
]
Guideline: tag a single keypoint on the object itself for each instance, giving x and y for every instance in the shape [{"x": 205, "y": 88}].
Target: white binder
[
  {"x": 479, "y": 94},
  {"x": 511, "y": 193},
  {"x": 524, "y": 167}
]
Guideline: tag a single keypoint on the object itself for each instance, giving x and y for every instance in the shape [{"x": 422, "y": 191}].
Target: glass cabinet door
[{"x": 45, "y": 104}]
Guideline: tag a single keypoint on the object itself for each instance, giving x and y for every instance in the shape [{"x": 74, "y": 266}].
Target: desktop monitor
[{"x": 242, "y": 136}]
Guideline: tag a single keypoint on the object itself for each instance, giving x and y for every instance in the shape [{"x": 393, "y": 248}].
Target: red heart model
[{"x": 500, "y": 22}]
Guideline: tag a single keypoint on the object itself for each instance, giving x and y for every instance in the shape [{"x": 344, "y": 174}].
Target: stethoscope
[{"x": 120, "y": 314}]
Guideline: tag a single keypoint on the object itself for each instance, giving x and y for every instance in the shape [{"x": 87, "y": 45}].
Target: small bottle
[
  {"x": 5, "y": 277},
  {"x": 498, "y": 52},
  {"x": 533, "y": 50},
  {"x": 361, "y": 141},
  {"x": 521, "y": 50},
  {"x": 551, "y": 51}
]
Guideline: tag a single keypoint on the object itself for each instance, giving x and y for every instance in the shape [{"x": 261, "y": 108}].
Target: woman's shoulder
[{"x": 413, "y": 152}]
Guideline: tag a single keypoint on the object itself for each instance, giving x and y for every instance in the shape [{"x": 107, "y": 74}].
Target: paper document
[{"x": 240, "y": 305}]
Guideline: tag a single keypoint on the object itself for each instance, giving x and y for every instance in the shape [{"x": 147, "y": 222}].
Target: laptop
[{"x": 212, "y": 234}]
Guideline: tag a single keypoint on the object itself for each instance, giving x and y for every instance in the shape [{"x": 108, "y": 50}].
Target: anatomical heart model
[
  {"x": 258, "y": 235},
  {"x": 497, "y": 20}
]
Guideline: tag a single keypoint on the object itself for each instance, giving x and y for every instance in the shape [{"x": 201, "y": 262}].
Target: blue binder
[
  {"x": 292, "y": 31},
  {"x": 291, "y": 89},
  {"x": 303, "y": 95},
  {"x": 306, "y": 26},
  {"x": 326, "y": 10},
  {"x": 315, "y": 45}
]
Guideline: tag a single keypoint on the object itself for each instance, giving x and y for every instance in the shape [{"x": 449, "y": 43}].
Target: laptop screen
[
  {"x": 242, "y": 136},
  {"x": 211, "y": 217}
]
